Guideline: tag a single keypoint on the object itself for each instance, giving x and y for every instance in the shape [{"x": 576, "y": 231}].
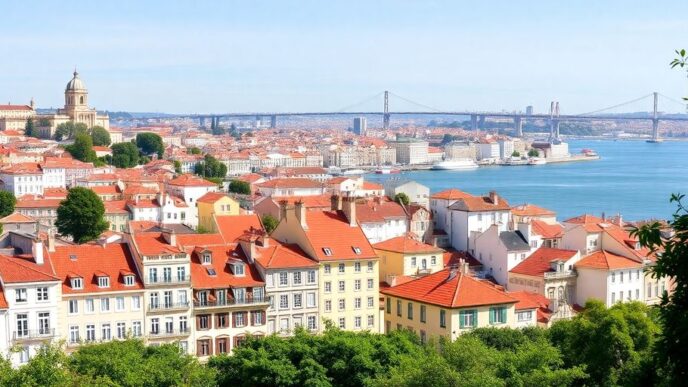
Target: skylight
[
  {"x": 211, "y": 271},
  {"x": 327, "y": 251}
]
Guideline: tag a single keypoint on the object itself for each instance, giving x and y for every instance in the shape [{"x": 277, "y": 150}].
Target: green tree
[
  {"x": 269, "y": 222},
  {"x": 194, "y": 151},
  {"x": 7, "y": 203},
  {"x": 240, "y": 187},
  {"x": 672, "y": 262},
  {"x": 402, "y": 198},
  {"x": 125, "y": 155},
  {"x": 211, "y": 167},
  {"x": 69, "y": 130},
  {"x": 150, "y": 143},
  {"x": 516, "y": 154},
  {"x": 29, "y": 129},
  {"x": 447, "y": 138},
  {"x": 100, "y": 136},
  {"x": 82, "y": 149},
  {"x": 177, "y": 166},
  {"x": 44, "y": 122},
  {"x": 48, "y": 367},
  {"x": 533, "y": 153},
  {"x": 81, "y": 215}
]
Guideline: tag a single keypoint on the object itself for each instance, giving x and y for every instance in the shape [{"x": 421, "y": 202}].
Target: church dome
[{"x": 75, "y": 83}]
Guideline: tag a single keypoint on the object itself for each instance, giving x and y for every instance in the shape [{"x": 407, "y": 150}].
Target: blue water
[{"x": 633, "y": 178}]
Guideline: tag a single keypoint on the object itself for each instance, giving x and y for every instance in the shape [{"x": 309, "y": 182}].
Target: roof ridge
[
  {"x": 14, "y": 261},
  {"x": 458, "y": 285}
]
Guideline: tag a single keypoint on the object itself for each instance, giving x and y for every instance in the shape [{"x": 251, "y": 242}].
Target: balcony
[
  {"x": 231, "y": 302},
  {"x": 168, "y": 306},
  {"x": 560, "y": 274},
  {"x": 169, "y": 333},
  {"x": 33, "y": 335},
  {"x": 162, "y": 281}
]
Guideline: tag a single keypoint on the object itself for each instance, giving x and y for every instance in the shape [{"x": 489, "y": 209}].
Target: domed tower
[{"x": 76, "y": 95}]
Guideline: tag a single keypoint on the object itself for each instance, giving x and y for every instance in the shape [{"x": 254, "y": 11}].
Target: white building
[
  {"x": 410, "y": 151},
  {"x": 416, "y": 192},
  {"x": 22, "y": 179},
  {"x": 488, "y": 150},
  {"x": 190, "y": 188},
  {"x": 500, "y": 251},
  {"x": 471, "y": 216}
]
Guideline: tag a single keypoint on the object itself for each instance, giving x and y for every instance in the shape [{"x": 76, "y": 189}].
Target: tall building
[
  {"x": 529, "y": 110},
  {"x": 410, "y": 151},
  {"x": 360, "y": 126}
]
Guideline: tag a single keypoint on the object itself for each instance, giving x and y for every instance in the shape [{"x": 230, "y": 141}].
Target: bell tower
[{"x": 76, "y": 95}]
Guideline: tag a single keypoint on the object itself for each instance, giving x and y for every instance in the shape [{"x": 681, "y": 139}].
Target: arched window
[{"x": 81, "y": 100}]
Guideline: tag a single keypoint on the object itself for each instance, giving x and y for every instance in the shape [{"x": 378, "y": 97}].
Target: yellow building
[
  {"x": 447, "y": 303},
  {"x": 348, "y": 273},
  {"x": 405, "y": 256},
  {"x": 215, "y": 204}
]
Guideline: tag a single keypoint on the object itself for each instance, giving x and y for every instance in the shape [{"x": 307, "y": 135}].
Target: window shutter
[
  {"x": 253, "y": 318},
  {"x": 234, "y": 320},
  {"x": 262, "y": 320},
  {"x": 217, "y": 320},
  {"x": 198, "y": 347},
  {"x": 210, "y": 347},
  {"x": 475, "y": 317},
  {"x": 198, "y": 322},
  {"x": 503, "y": 313},
  {"x": 492, "y": 315}
]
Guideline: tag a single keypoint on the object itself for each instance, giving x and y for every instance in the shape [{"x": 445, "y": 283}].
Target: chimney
[
  {"x": 335, "y": 202},
  {"x": 300, "y": 211},
  {"x": 37, "y": 251},
  {"x": 51, "y": 240},
  {"x": 525, "y": 229},
  {"x": 349, "y": 208},
  {"x": 170, "y": 236},
  {"x": 248, "y": 245},
  {"x": 494, "y": 198},
  {"x": 283, "y": 209}
]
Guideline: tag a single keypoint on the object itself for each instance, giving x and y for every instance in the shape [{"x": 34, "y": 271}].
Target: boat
[
  {"x": 589, "y": 152},
  {"x": 353, "y": 172},
  {"x": 515, "y": 161},
  {"x": 537, "y": 161},
  {"x": 387, "y": 171},
  {"x": 455, "y": 165},
  {"x": 654, "y": 140}
]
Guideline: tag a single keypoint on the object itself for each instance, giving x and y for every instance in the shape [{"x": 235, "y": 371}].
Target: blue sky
[{"x": 203, "y": 56}]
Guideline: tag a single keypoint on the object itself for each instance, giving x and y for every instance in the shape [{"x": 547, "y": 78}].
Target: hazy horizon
[{"x": 274, "y": 56}]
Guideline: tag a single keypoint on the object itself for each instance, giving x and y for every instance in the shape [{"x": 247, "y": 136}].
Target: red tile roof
[
  {"x": 406, "y": 244},
  {"x": 460, "y": 291},
  {"x": 189, "y": 241},
  {"x": 531, "y": 210},
  {"x": 16, "y": 217},
  {"x": 23, "y": 169},
  {"x": 16, "y": 107},
  {"x": 327, "y": 229},
  {"x": 291, "y": 183},
  {"x": 540, "y": 261},
  {"x": 283, "y": 256},
  {"x": 153, "y": 243},
  {"x": 115, "y": 207},
  {"x": 374, "y": 212},
  {"x": 28, "y": 201},
  {"x": 221, "y": 255},
  {"x": 607, "y": 261},
  {"x": 212, "y": 197},
  {"x": 453, "y": 257},
  {"x": 480, "y": 203},
  {"x": 89, "y": 261},
  {"x": 546, "y": 230},
  {"x": 20, "y": 269},
  {"x": 529, "y": 300},
  {"x": 3, "y": 300},
  {"x": 233, "y": 226},
  {"x": 188, "y": 180},
  {"x": 450, "y": 194}
]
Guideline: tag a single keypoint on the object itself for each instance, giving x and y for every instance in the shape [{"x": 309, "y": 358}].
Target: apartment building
[{"x": 406, "y": 257}]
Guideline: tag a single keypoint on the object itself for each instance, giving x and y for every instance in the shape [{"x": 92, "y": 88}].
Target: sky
[{"x": 278, "y": 56}]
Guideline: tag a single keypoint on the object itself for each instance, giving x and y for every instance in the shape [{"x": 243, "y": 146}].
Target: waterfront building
[
  {"x": 291, "y": 187},
  {"x": 488, "y": 150},
  {"x": 460, "y": 150},
  {"x": 380, "y": 219},
  {"x": 410, "y": 151},
  {"x": 404, "y": 256},
  {"x": 439, "y": 204},
  {"x": 416, "y": 192},
  {"x": 471, "y": 215}
]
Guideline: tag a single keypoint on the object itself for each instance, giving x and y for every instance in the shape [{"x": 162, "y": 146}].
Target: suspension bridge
[{"x": 477, "y": 118}]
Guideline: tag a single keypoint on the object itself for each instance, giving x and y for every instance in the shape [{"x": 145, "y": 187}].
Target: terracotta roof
[
  {"x": 250, "y": 177},
  {"x": 3, "y": 300},
  {"x": 191, "y": 240},
  {"x": 55, "y": 193},
  {"x": 153, "y": 243},
  {"x": 546, "y": 230},
  {"x": 480, "y": 203},
  {"x": 311, "y": 201},
  {"x": 283, "y": 256},
  {"x": 223, "y": 278},
  {"x": 331, "y": 230},
  {"x": 16, "y": 217},
  {"x": 459, "y": 291},
  {"x": 450, "y": 194},
  {"x": 115, "y": 207},
  {"x": 372, "y": 186},
  {"x": 531, "y": 210},
  {"x": 233, "y": 226},
  {"x": 106, "y": 189},
  {"x": 374, "y": 212},
  {"x": 529, "y": 300},
  {"x": 16, "y": 107},
  {"x": 539, "y": 262},
  {"x": 406, "y": 244},
  {"x": 212, "y": 197},
  {"x": 607, "y": 261},
  {"x": 453, "y": 257},
  {"x": 20, "y": 269},
  {"x": 89, "y": 261},
  {"x": 290, "y": 183},
  {"x": 23, "y": 169},
  {"x": 188, "y": 180},
  {"x": 37, "y": 202}
]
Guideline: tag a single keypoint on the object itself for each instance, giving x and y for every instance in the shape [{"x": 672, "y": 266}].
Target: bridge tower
[
  {"x": 273, "y": 121},
  {"x": 655, "y": 120},
  {"x": 518, "y": 126},
  {"x": 201, "y": 122},
  {"x": 385, "y": 114},
  {"x": 554, "y": 121},
  {"x": 474, "y": 122}
]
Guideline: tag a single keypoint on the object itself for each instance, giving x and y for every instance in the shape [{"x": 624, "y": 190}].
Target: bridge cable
[
  {"x": 615, "y": 106},
  {"x": 683, "y": 103},
  {"x": 343, "y": 110},
  {"x": 415, "y": 103}
]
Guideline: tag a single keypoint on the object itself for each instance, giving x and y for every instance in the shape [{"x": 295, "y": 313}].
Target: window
[
  {"x": 371, "y": 283},
  {"x": 498, "y": 315},
  {"x": 356, "y": 250},
  {"x": 183, "y": 324},
  {"x": 413, "y": 261},
  {"x": 327, "y": 251},
  {"x": 357, "y": 267},
  {"x": 297, "y": 278},
  {"x": 342, "y": 323},
  {"x": 341, "y": 286},
  {"x": 257, "y": 318},
  {"x": 181, "y": 273},
  {"x": 371, "y": 302},
  {"x": 310, "y": 300},
  {"x": 341, "y": 268},
  {"x": 105, "y": 333},
  {"x": 121, "y": 330},
  {"x": 433, "y": 261},
  {"x": 20, "y": 295},
  {"x": 73, "y": 334},
  {"x": 90, "y": 332},
  {"x": 327, "y": 268},
  {"x": 399, "y": 308},
  {"x": 328, "y": 286},
  {"x": 22, "y": 325},
  {"x": 613, "y": 297},
  {"x": 443, "y": 318},
  {"x": 357, "y": 322},
  {"x": 103, "y": 282},
  {"x": 207, "y": 259},
  {"x": 621, "y": 275},
  {"x": 73, "y": 306},
  {"x": 524, "y": 316},
  {"x": 204, "y": 321},
  {"x": 357, "y": 303},
  {"x": 77, "y": 283},
  {"x": 283, "y": 279},
  {"x": 311, "y": 323},
  {"x": 357, "y": 285},
  {"x": 422, "y": 314},
  {"x": 284, "y": 301},
  {"x": 135, "y": 302},
  {"x": 239, "y": 318},
  {"x": 128, "y": 280},
  {"x": 24, "y": 352},
  {"x": 90, "y": 307},
  {"x": 239, "y": 269},
  {"x": 169, "y": 324},
  {"x": 311, "y": 277},
  {"x": 119, "y": 304},
  {"x": 342, "y": 304},
  {"x": 167, "y": 298},
  {"x": 105, "y": 304},
  {"x": 203, "y": 347},
  {"x": 328, "y": 306},
  {"x": 371, "y": 320},
  {"x": 370, "y": 266},
  {"x": 409, "y": 311},
  {"x": 297, "y": 300},
  {"x": 42, "y": 294},
  {"x": 136, "y": 330}
]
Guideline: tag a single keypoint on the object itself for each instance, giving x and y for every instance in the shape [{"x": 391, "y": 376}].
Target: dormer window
[
  {"x": 103, "y": 282},
  {"x": 356, "y": 250},
  {"x": 238, "y": 269},
  {"x": 637, "y": 245},
  {"x": 206, "y": 259},
  {"x": 77, "y": 283},
  {"x": 129, "y": 280},
  {"x": 327, "y": 251}
]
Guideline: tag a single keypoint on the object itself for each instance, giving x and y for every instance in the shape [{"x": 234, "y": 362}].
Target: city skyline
[{"x": 270, "y": 56}]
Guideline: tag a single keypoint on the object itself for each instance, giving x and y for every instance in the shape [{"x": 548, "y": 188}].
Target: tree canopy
[
  {"x": 100, "y": 136},
  {"x": 269, "y": 222},
  {"x": 402, "y": 198},
  {"x": 69, "y": 130},
  {"x": 150, "y": 143},
  {"x": 82, "y": 148},
  {"x": 533, "y": 152},
  {"x": 240, "y": 187},
  {"x": 7, "y": 203},
  {"x": 81, "y": 215},
  {"x": 125, "y": 155},
  {"x": 211, "y": 167},
  {"x": 30, "y": 129}
]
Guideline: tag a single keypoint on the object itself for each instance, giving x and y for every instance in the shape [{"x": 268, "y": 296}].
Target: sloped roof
[
  {"x": 406, "y": 244},
  {"x": 188, "y": 180},
  {"x": 328, "y": 229},
  {"x": 514, "y": 241},
  {"x": 459, "y": 291},
  {"x": 18, "y": 270},
  {"x": 531, "y": 210},
  {"x": 479, "y": 204},
  {"x": 539, "y": 262},
  {"x": 450, "y": 194},
  {"x": 283, "y": 256},
  {"x": 233, "y": 226},
  {"x": 606, "y": 260},
  {"x": 223, "y": 278},
  {"x": 546, "y": 230},
  {"x": 16, "y": 217}
]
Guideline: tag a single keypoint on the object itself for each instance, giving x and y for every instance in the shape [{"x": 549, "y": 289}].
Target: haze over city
[{"x": 278, "y": 56}]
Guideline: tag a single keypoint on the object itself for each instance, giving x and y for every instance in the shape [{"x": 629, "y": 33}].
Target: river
[{"x": 633, "y": 178}]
